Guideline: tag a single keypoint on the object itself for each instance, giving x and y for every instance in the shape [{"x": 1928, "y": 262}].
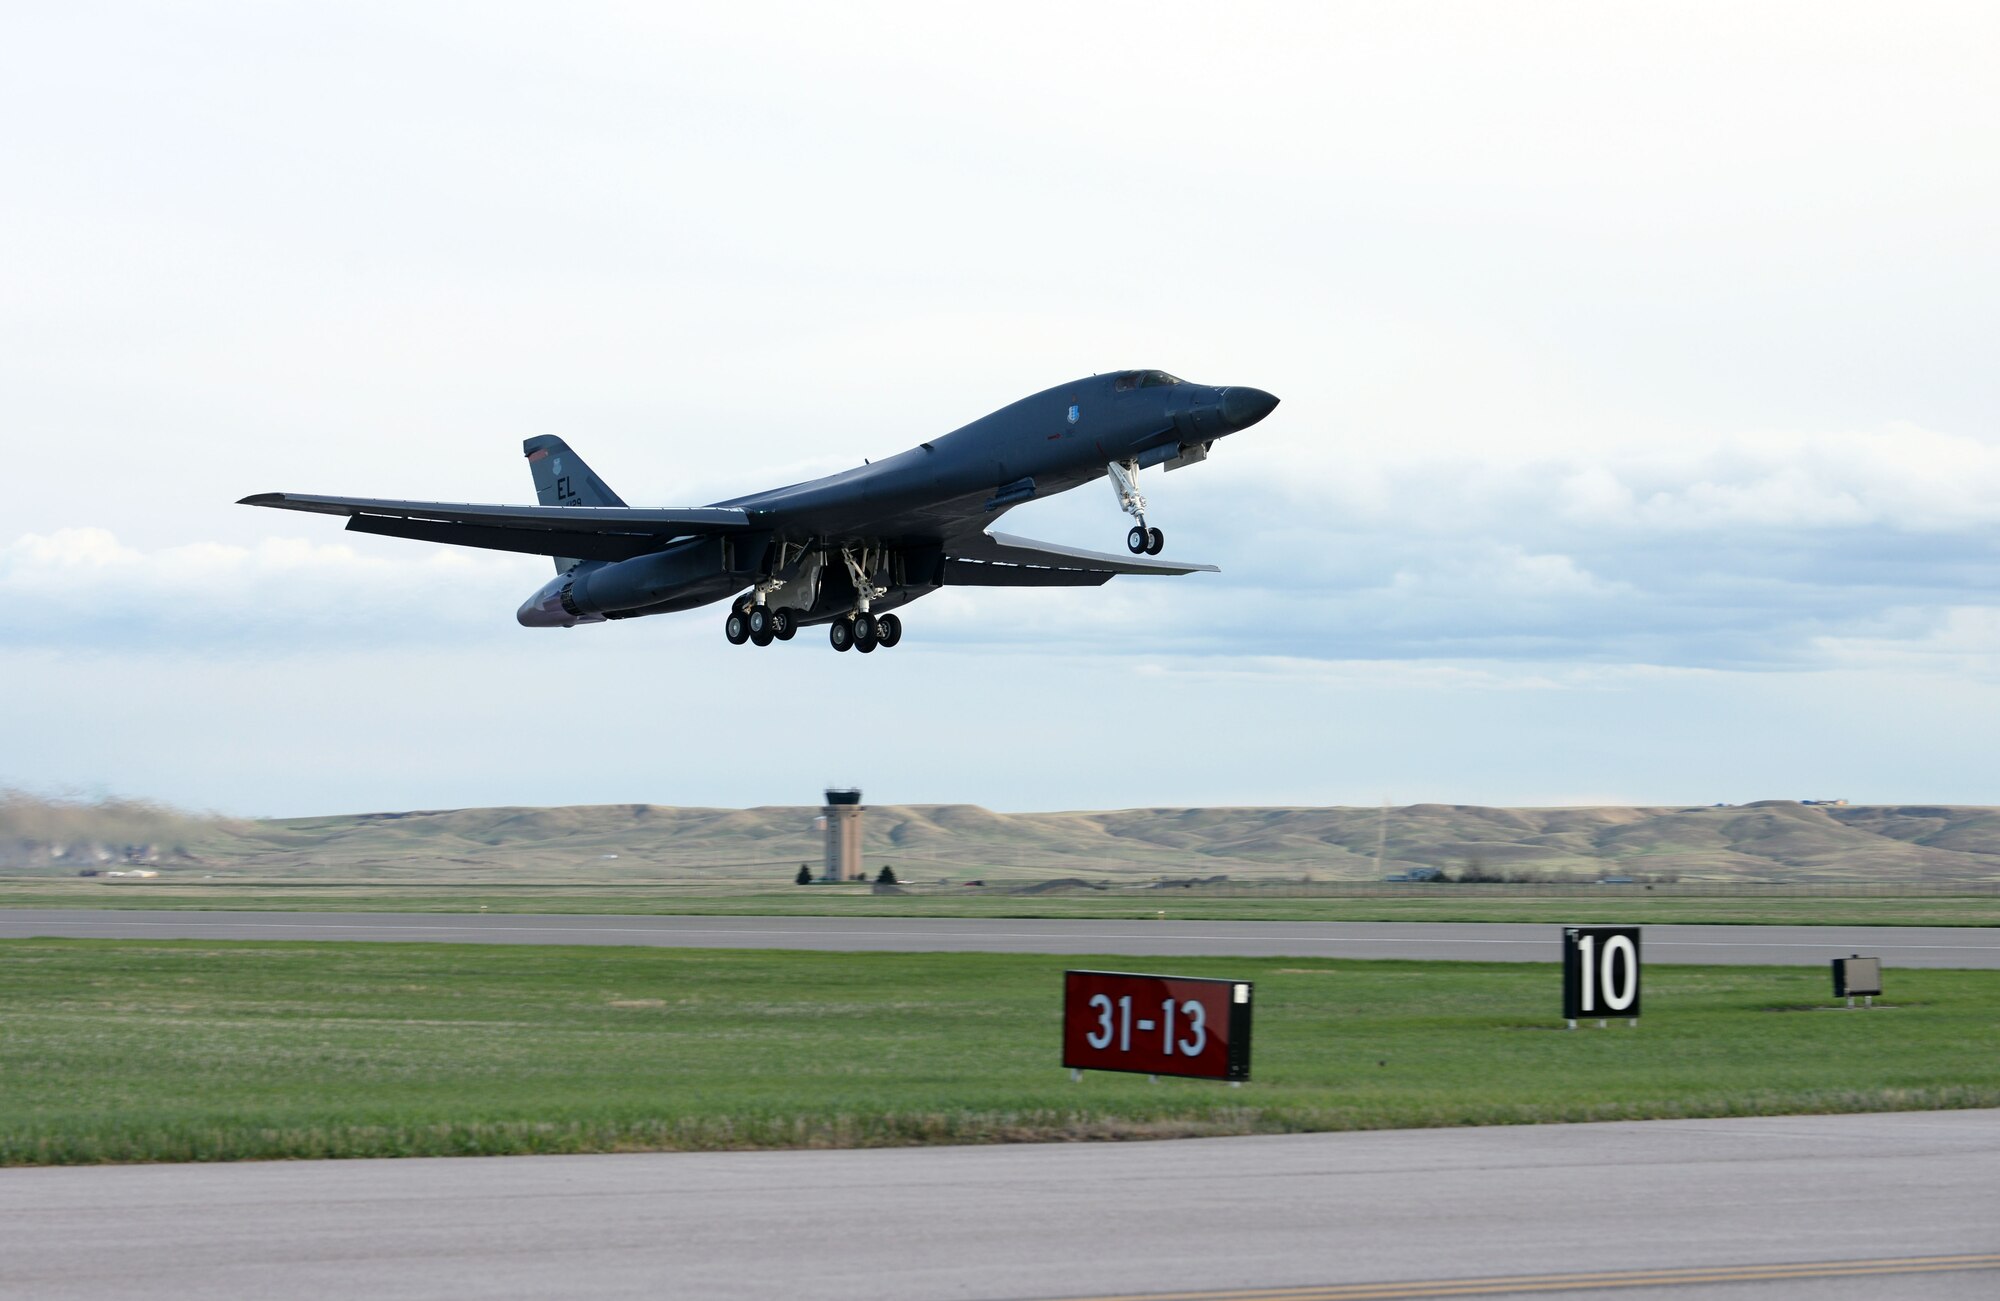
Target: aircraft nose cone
[{"x": 1243, "y": 407}]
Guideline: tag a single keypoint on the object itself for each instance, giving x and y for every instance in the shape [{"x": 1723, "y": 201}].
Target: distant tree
[
  {"x": 805, "y": 876},
  {"x": 887, "y": 876}
]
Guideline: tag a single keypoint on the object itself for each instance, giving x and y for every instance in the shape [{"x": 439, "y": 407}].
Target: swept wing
[
  {"x": 586, "y": 532},
  {"x": 1004, "y": 560}
]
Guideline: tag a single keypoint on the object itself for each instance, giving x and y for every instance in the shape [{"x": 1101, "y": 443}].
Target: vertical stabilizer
[{"x": 562, "y": 479}]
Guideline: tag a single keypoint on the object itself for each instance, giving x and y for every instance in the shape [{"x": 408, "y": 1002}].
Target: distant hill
[{"x": 1773, "y": 840}]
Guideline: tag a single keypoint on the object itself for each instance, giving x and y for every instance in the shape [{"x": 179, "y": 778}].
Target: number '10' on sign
[{"x": 1600, "y": 972}]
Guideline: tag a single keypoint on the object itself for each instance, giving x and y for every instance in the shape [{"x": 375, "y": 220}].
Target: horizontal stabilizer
[
  {"x": 615, "y": 531},
  {"x": 1003, "y": 560}
]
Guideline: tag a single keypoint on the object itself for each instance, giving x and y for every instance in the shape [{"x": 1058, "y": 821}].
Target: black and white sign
[
  {"x": 1857, "y": 975},
  {"x": 1600, "y": 972}
]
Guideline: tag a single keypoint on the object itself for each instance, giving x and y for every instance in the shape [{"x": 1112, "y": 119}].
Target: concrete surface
[
  {"x": 1091, "y": 1220},
  {"x": 1898, "y": 946}
]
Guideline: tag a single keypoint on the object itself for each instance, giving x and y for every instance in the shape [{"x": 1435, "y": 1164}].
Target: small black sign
[{"x": 1600, "y": 972}]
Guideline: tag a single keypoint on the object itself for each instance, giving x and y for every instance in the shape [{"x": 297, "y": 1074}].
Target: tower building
[{"x": 843, "y": 836}]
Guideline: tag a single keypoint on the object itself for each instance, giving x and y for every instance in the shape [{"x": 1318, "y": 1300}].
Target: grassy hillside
[{"x": 1773, "y": 840}]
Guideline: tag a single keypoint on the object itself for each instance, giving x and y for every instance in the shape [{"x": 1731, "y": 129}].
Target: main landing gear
[
  {"x": 1125, "y": 483},
  {"x": 863, "y": 631},
  {"x": 753, "y": 619},
  {"x": 760, "y": 624}
]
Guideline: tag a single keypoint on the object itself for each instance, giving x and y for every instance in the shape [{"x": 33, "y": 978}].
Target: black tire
[
  {"x": 888, "y": 630},
  {"x": 1135, "y": 541},
  {"x": 841, "y": 633},
  {"x": 866, "y": 647},
  {"x": 784, "y": 624},
  {"x": 864, "y": 628},
  {"x": 760, "y": 622},
  {"x": 736, "y": 628},
  {"x": 762, "y": 638},
  {"x": 1156, "y": 542}
]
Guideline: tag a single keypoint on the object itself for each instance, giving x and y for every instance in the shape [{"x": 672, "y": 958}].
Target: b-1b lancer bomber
[{"x": 849, "y": 549}]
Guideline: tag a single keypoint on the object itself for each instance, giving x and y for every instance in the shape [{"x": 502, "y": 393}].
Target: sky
[{"x": 1638, "y": 441}]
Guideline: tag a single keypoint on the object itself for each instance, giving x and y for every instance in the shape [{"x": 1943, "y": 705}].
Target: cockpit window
[{"x": 1132, "y": 379}]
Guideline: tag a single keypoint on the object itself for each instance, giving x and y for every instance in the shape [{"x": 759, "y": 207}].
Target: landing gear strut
[{"x": 1125, "y": 483}]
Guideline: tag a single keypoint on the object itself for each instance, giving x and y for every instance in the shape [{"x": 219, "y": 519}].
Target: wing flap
[
  {"x": 537, "y": 530},
  {"x": 532, "y": 542},
  {"x": 1004, "y": 560}
]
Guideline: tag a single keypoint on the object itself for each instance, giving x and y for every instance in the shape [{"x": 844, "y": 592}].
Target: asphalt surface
[
  {"x": 1322, "y": 1212},
  {"x": 1898, "y": 946}
]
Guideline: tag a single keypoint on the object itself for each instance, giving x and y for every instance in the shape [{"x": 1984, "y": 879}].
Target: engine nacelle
[{"x": 592, "y": 593}]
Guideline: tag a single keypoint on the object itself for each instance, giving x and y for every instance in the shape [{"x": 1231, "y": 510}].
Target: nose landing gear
[{"x": 1125, "y": 483}]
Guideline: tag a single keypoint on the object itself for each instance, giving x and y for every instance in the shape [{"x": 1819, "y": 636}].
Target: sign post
[
  {"x": 1156, "y": 1025},
  {"x": 1600, "y": 973}
]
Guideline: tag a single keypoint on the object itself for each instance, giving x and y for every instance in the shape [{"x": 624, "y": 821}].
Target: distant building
[
  {"x": 1834, "y": 804},
  {"x": 843, "y": 836}
]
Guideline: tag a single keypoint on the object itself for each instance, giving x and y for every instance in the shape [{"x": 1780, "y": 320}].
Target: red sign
[{"x": 1156, "y": 1025}]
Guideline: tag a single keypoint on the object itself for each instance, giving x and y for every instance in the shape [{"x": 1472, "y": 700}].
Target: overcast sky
[{"x": 1638, "y": 445}]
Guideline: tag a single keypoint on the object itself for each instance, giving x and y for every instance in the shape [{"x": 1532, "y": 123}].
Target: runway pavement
[
  {"x": 1770, "y": 1209},
  {"x": 1901, "y": 946}
]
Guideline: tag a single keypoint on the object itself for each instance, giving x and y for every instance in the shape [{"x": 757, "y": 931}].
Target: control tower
[{"x": 843, "y": 836}]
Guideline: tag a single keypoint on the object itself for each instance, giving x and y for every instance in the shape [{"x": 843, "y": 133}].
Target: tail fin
[{"x": 562, "y": 479}]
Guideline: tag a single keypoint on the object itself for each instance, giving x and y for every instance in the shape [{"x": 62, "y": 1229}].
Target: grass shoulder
[{"x": 149, "y": 1051}]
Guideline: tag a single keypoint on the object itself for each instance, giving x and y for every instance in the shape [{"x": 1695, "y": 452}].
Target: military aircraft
[{"x": 849, "y": 549}]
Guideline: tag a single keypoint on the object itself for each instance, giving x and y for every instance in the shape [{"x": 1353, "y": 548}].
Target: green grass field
[
  {"x": 134, "y": 1051},
  {"x": 1434, "y": 904}
]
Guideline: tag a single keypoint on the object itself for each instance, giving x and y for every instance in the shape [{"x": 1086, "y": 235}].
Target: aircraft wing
[
  {"x": 586, "y": 532},
  {"x": 1003, "y": 560}
]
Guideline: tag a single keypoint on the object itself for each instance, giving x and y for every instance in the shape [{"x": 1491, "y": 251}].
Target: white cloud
[
  {"x": 1607, "y": 336},
  {"x": 1771, "y": 551},
  {"x": 1959, "y": 641},
  {"x": 78, "y": 586}
]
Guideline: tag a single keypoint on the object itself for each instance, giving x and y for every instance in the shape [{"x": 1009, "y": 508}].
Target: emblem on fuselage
[{"x": 1074, "y": 412}]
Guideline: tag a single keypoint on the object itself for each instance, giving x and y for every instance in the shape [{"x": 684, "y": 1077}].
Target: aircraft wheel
[
  {"x": 841, "y": 633},
  {"x": 760, "y": 621},
  {"x": 888, "y": 629},
  {"x": 762, "y": 638},
  {"x": 737, "y": 628},
  {"x": 784, "y": 626},
  {"x": 864, "y": 629},
  {"x": 866, "y": 647},
  {"x": 1156, "y": 542},
  {"x": 1136, "y": 540}
]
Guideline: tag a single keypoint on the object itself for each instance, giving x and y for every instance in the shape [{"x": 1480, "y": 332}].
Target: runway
[
  {"x": 1900, "y": 946},
  {"x": 1773, "y": 1209}
]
